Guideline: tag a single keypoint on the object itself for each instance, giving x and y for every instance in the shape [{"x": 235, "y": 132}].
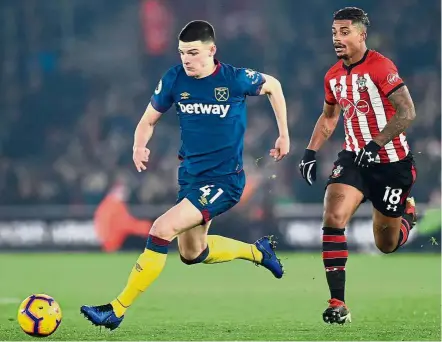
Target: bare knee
[
  {"x": 178, "y": 219},
  {"x": 192, "y": 254},
  {"x": 192, "y": 244},
  {"x": 336, "y": 219},
  {"x": 340, "y": 203},
  {"x": 385, "y": 241},
  {"x": 386, "y": 232},
  {"x": 334, "y": 213},
  {"x": 386, "y": 246},
  {"x": 189, "y": 252},
  {"x": 163, "y": 229}
]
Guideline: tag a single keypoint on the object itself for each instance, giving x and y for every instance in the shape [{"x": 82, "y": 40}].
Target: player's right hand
[
  {"x": 282, "y": 148},
  {"x": 307, "y": 166},
  {"x": 140, "y": 157}
]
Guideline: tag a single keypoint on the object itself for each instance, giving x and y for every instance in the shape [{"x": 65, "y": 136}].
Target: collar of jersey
[
  {"x": 362, "y": 60},
  {"x": 217, "y": 69},
  {"x": 215, "y": 72}
]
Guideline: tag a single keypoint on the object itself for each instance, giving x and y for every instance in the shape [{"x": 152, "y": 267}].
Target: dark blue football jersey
[{"x": 212, "y": 113}]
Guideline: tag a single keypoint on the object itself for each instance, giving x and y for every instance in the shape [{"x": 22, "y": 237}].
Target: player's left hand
[
  {"x": 282, "y": 148},
  {"x": 367, "y": 155}
]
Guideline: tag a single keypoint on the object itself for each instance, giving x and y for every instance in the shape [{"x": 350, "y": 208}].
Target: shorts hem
[{"x": 347, "y": 183}]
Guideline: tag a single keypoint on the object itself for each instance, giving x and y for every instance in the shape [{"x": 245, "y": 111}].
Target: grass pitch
[{"x": 394, "y": 297}]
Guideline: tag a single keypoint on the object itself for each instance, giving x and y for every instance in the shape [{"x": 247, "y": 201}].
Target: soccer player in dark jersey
[
  {"x": 376, "y": 162},
  {"x": 209, "y": 98}
]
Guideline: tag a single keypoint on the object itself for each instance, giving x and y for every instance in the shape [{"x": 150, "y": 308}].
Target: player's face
[
  {"x": 347, "y": 38},
  {"x": 196, "y": 56}
]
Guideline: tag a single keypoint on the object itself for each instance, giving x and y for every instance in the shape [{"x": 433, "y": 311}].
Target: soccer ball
[{"x": 39, "y": 315}]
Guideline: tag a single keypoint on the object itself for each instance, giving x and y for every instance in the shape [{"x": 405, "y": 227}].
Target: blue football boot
[
  {"x": 102, "y": 316},
  {"x": 266, "y": 245}
]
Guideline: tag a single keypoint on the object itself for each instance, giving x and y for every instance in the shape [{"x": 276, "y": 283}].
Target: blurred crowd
[{"x": 76, "y": 76}]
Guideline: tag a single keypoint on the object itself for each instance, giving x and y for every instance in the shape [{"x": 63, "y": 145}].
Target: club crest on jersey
[
  {"x": 222, "y": 94},
  {"x": 185, "y": 95},
  {"x": 337, "y": 171},
  {"x": 362, "y": 84}
]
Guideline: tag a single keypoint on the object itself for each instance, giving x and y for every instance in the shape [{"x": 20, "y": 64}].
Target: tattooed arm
[
  {"x": 405, "y": 114},
  {"x": 325, "y": 126}
]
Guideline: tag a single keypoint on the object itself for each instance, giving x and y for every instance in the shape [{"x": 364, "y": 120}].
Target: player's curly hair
[
  {"x": 197, "y": 30},
  {"x": 355, "y": 14}
]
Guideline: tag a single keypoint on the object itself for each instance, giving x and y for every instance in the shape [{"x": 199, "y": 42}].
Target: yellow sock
[
  {"x": 222, "y": 249},
  {"x": 148, "y": 267}
]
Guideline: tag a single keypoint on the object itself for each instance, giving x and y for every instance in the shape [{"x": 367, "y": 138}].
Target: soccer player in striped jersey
[{"x": 375, "y": 163}]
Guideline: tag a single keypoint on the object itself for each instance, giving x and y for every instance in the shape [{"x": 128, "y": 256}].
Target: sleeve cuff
[
  {"x": 157, "y": 107},
  {"x": 395, "y": 88}
]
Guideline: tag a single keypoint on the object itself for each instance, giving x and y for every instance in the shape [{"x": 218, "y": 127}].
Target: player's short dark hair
[
  {"x": 355, "y": 14},
  {"x": 197, "y": 30}
]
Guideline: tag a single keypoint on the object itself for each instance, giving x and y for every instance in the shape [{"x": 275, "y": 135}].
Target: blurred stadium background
[{"x": 76, "y": 75}]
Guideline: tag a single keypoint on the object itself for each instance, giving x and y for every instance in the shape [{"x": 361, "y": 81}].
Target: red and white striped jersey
[{"x": 361, "y": 90}]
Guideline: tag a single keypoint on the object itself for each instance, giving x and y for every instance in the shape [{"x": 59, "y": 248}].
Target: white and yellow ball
[{"x": 39, "y": 315}]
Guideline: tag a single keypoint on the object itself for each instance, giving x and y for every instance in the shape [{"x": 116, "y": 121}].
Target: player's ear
[
  {"x": 363, "y": 36},
  {"x": 212, "y": 50}
]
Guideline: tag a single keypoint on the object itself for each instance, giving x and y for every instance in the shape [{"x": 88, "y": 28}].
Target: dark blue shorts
[{"x": 212, "y": 196}]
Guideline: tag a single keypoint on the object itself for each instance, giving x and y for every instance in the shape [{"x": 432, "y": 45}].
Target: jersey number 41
[{"x": 207, "y": 191}]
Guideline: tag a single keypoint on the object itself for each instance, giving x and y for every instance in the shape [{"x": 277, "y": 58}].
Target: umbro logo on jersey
[
  {"x": 185, "y": 95},
  {"x": 204, "y": 108}
]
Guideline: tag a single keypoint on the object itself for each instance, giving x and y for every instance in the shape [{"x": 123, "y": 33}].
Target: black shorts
[{"x": 387, "y": 186}]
